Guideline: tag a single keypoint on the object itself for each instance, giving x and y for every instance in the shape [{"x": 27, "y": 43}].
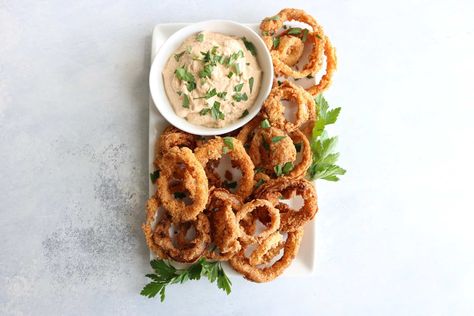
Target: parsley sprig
[
  {"x": 323, "y": 147},
  {"x": 165, "y": 274}
]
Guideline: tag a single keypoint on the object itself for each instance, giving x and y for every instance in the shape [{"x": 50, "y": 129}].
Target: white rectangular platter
[{"x": 303, "y": 264}]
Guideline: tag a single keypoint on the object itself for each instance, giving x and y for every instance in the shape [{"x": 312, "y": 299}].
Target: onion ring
[
  {"x": 270, "y": 147},
  {"x": 287, "y": 188},
  {"x": 258, "y": 255},
  {"x": 152, "y": 207},
  {"x": 170, "y": 138},
  {"x": 258, "y": 205},
  {"x": 331, "y": 65},
  {"x": 195, "y": 182},
  {"x": 241, "y": 264},
  {"x": 290, "y": 49},
  {"x": 193, "y": 249},
  {"x": 274, "y": 110},
  {"x": 213, "y": 150}
]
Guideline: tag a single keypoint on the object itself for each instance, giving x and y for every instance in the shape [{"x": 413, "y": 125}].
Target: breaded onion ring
[
  {"x": 214, "y": 149},
  {"x": 290, "y": 49},
  {"x": 152, "y": 207},
  {"x": 170, "y": 138},
  {"x": 225, "y": 230},
  {"x": 331, "y": 65},
  {"x": 270, "y": 28},
  {"x": 257, "y": 256},
  {"x": 193, "y": 249},
  {"x": 195, "y": 181},
  {"x": 258, "y": 205},
  {"x": 270, "y": 147},
  {"x": 299, "y": 170},
  {"x": 287, "y": 188},
  {"x": 274, "y": 110},
  {"x": 241, "y": 264}
]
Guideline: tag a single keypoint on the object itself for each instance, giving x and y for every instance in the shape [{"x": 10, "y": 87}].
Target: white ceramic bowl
[{"x": 157, "y": 88}]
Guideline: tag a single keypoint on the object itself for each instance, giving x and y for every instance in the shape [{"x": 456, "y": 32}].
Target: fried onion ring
[
  {"x": 258, "y": 255},
  {"x": 267, "y": 152},
  {"x": 152, "y": 207},
  {"x": 193, "y": 249},
  {"x": 213, "y": 150},
  {"x": 195, "y": 181},
  {"x": 275, "y": 111},
  {"x": 257, "y": 206},
  {"x": 241, "y": 264},
  {"x": 290, "y": 49},
  {"x": 170, "y": 138},
  {"x": 287, "y": 188},
  {"x": 331, "y": 65}
]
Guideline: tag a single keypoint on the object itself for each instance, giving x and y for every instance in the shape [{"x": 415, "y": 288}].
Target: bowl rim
[{"x": 169, "y": 114}]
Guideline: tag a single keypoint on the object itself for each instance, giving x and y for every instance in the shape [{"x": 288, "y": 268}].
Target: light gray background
[{"x": 394, "y": 237}]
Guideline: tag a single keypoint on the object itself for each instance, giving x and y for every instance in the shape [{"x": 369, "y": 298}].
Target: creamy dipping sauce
[{"x": 212, "y": 79}]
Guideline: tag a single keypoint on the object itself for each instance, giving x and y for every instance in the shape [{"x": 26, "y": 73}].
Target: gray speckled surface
[{"x": 394, "y": 237}]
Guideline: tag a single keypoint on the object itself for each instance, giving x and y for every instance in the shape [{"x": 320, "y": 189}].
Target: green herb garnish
[
  {"x": 276, "y": 139},
  {"x": 283, "y": 169},
  {"x": 178, "y": 56},
  {"x": 294, "y": 30},
  {"x": 184, "y": 75},
  {"x": 209, "y": 94},
  {"x": 265, "y": 123},
  {"x": 216, "y": 111},
  {"x": 259, "y": 183},
  {"x": 276, "y": 42},
  {"x": 221, "y": 95},
  {"x": 154, "y": 176},
  {"x": 265, "y": 145},
  {"x": 273, "y": 18},
  {"x": 323, "y": 147},
  {"x": 251, "y": 80},
  {"x": 238, "y": 87},
  {"x": 244, "y": 114},
  {"x": 230, "y": 74},
  {"x": 165, "y": 274},
  {"x": 185, "y": 101},
  {"x": 240, "y": 97},
  {"x": 305, "y": 35},
  {"x": 206, "y": 71},
  {"x": 250, "y": 46},
  {"x": 200, "y": 37},
  {"x": 228, "y": 144}
]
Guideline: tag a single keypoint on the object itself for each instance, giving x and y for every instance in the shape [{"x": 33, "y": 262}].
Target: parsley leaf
[
  {"x": 276, "y": 139},
  {"x": 265, "y": 123},
  {"x": 294, "y": 30},
  {"x": 200, "y": 37},
  {"x": 273, "y": 18},
  {"x": 259, "y": 183},
  {"x": 185, "y": 101},
  {"x": 228, "y": 144},
  {"x": 251, "y": 80},
  {"x": 216, "y": 111},
  {"x": 154, "y": 176},
  {"x": 305, "y": 35},
  {"x": 250, "y": 46},
  {"x": 238, "y": 87},
  {"x": 178, "y": 56},
  {"x": 206, "y": 71},
  {"x": 324, "y": 165},
  {"x": 165, "y": 274},
  {"x": 244, "y": 114},
  {"x": 183, "y": 74},
  {"x": 240, "y": 97},
  {"x": 276, "y": 42},
  {"x": 283, "y": 169},
  {"x": 209, "y": 94}
]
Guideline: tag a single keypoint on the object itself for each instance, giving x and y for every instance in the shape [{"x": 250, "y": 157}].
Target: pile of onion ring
[
  {"x": 196, "y": 212},
  {"x": 286, "y": 45}
]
